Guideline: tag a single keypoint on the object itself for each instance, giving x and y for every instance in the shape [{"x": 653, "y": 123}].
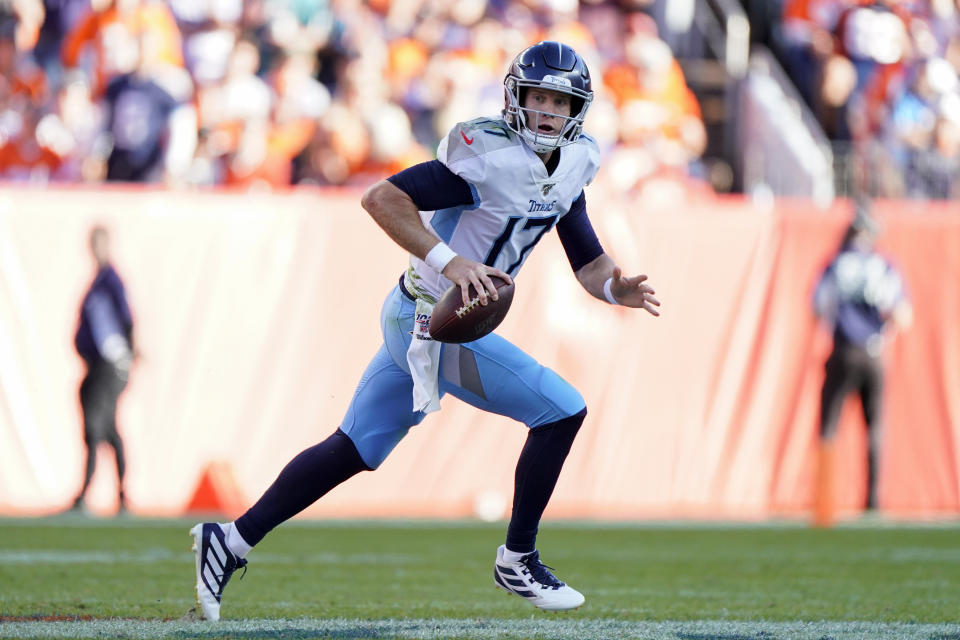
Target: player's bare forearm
[
  {"x": 593, "y": 274},
  {"x": 397, "y": 215},
  {"x": 630, "y": 291}
]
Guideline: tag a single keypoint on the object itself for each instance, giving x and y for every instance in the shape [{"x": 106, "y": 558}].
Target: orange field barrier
[{"x": 257, "y": 313}]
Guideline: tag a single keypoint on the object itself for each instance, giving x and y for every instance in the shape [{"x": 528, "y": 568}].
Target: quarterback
[{"x": 497, "y": 187}]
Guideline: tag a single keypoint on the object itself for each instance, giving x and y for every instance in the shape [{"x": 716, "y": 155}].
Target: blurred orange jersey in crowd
[
  {"x": 669, "y": 90},
  {"x": 120, "y": 35},
  {"x": 283, "y": 142},
  {"x": 22, "y": 159},
  {"x": 30, "y": 83}
]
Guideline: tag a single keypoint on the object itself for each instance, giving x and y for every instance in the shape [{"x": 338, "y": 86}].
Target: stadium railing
[{"x": 783, "y": 149}]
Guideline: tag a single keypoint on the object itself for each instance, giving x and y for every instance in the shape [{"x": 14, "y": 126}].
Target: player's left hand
[{"x": 632, "y": 292}]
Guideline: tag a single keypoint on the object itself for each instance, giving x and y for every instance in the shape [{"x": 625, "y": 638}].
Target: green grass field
[{"x": 74, "y": 577}]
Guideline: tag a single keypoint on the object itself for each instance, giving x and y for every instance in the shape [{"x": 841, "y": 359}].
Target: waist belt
[{"x": 403, "y": 288}]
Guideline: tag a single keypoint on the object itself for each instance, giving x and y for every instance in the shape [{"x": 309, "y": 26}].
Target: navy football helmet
[{"x": 556, "y": 67}]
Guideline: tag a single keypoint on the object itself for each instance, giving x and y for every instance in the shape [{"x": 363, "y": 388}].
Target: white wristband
[
  {"x": 608, "y": 292},
  {"x": 439, "y": 257}
]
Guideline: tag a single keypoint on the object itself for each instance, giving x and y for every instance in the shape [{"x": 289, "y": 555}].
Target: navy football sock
[
  {"x": 305, "y": 479},
  {"x": 538, "y": 468}
]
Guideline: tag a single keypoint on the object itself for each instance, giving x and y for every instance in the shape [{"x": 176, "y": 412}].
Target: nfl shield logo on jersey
[{"x": 545, "y": 189}]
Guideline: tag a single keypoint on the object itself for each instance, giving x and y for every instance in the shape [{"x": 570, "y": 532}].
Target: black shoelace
[{"x": 540, "y": 571}]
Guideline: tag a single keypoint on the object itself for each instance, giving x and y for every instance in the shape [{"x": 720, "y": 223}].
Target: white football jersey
[{"x": 516, "y": 201}]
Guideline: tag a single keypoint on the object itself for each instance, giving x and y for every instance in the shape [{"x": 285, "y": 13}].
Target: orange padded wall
[{"x": 256, "y": 315}]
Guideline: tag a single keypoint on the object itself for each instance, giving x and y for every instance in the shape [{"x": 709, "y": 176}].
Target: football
[{"x": 453, "y": 321}]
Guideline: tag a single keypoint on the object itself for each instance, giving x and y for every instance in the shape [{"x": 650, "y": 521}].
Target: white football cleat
[
  {"x": 531, "y": 579},
  {"x": 215, "y": 564}
]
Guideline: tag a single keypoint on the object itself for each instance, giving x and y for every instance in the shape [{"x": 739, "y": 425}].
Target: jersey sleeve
[
  {"x": 119, "y": 294},
  {"x": 577, "y": 236},
  {"x": 891, "y": 290},
  {"x": 432, "y": 186},
  {"x": 109, "y": 335},
  {"x": 593, "y": 158},
  {"x": 462, "y": 151}
]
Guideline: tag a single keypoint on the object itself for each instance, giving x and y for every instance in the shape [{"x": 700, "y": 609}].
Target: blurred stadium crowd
[
  {"x": 332, "y": 92},
  {"x": 882, "y": 76}
]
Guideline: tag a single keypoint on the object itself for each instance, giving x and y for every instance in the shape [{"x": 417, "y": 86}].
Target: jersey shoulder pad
[
  {"x": 590, "y": 142},
  {"x": 495, "y": 131},
  {"x": 475, "y": 138},
  {"x": 591, "y": 151},
  {"x": 465, "y": 149}
]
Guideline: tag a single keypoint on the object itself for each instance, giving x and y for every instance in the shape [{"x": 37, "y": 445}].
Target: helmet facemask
[{"x": 524, "y": 121}]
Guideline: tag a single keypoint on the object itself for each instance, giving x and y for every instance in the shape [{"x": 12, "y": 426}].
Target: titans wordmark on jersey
[{"x": 516, "y": 202}]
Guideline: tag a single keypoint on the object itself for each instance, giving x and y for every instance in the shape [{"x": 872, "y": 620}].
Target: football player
[{"x": 497, "y": 187}]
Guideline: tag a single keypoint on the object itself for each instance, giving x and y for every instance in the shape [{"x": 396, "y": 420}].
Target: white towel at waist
[{"x": 423, "y": 356}]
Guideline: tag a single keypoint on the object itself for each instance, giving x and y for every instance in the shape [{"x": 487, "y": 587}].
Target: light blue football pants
[{"x": 491, "y": 374}]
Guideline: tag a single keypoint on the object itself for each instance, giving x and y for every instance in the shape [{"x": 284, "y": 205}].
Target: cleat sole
[{"x": 551, "y": 610}]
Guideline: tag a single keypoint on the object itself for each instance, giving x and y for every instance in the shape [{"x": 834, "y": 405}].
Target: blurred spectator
[
  {"x": 26, "y": 18},
  {"x": 105, "y": 42},
  {"x": 661, "y": 129},
  {"x": 75, "y": 129},
  {"x": 338, "y": 149},
  {"x": 301, "y": 26},
  {"x": 936, "y": 171},
  {"x": 210, "y": 33},
  {"x": 267, "y": 146},
  {"x": 23, "y": 157},
  {"x": 836, "y": 86},
  {"x": 21, "y": 80},
  {"x": 872, "y": 34},
  {"x": 237, "y": 105},
  {"x": 152, "y": 129},
  {"x": 807, "y": 42},
  {"x": 60, "y": 16},
  {"x": 23, "y": 93},
  {"x": 913, "y": 112}
]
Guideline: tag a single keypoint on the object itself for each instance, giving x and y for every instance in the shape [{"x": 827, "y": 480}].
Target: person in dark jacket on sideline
[
  {"x": 104, "y": 340},
  {"x": 860, "y": 296}
]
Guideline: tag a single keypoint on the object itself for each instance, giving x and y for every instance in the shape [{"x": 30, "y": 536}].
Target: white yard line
[
  {"x": 481, "y": 629},
  {"x": 30, "y": 557}
]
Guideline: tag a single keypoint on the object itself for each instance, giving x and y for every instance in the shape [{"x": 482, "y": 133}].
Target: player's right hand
[{"x": 464, "y": 272}]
